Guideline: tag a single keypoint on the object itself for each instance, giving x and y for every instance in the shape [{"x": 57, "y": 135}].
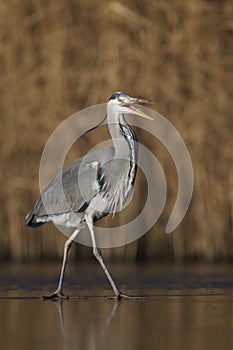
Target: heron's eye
[{"x": 119, "y": 99}]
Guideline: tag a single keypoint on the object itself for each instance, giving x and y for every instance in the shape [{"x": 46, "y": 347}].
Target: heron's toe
[
  {"x": 56, "y": 295},
  {"x": 134, "y": 297}
]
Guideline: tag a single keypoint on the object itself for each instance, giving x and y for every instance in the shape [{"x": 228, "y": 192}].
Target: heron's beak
[{"x": 137, "y": 110}]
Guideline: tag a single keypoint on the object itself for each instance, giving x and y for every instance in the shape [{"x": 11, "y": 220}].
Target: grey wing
[{"x": 73, "y": 188}]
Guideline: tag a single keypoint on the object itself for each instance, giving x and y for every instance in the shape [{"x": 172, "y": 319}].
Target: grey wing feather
[{"x": 73, "y": 187}]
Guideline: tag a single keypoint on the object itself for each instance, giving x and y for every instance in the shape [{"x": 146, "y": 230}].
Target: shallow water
[{"x": 187, "y": 307}]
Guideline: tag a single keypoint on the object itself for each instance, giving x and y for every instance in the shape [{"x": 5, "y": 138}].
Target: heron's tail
[{"x": 30, "y": 220}]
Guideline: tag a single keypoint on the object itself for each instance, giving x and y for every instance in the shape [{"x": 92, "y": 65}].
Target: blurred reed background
[{"x": 59, "y": 57}]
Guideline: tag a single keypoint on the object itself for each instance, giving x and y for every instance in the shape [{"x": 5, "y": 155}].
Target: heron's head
[{"x": 121, "y": 102}]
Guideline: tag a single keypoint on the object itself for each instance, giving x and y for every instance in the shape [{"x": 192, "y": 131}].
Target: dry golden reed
[{"x": 58, "y": 57}]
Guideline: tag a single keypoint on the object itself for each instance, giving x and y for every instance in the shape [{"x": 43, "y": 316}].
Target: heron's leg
[
  {"x": 58, "y": 293},
  {"x": 98, "y": 255}
]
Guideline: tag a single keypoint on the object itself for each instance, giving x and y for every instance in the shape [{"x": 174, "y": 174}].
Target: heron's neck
[{"x": 123, "y": 137}]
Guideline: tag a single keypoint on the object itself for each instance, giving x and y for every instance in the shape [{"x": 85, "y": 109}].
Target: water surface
[{"x": 188, "y": 307}]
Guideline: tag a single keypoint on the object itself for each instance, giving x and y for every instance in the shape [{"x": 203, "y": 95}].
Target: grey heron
[{"x": 107, "y": 175}]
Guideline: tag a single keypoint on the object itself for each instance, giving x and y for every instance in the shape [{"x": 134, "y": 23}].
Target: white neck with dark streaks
[
  {"x": 126, "y": 147},
  {"x": 123, "y": 137}
]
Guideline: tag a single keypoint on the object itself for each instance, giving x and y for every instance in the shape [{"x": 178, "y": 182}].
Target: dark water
[{"x": 188, "y": 307}]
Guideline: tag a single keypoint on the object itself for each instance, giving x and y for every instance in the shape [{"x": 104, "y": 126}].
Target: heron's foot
[
  {"x": 134, "y": 297},
  {"x": 121, "y": 296},
  {"x": 56, "y": 295}
]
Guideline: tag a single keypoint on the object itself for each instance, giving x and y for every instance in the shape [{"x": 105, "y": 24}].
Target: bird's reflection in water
[
  {"x": 111, "y": 317},
  {"x": 59, "y": 303},
  {"x": 63, "y": 320}
]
